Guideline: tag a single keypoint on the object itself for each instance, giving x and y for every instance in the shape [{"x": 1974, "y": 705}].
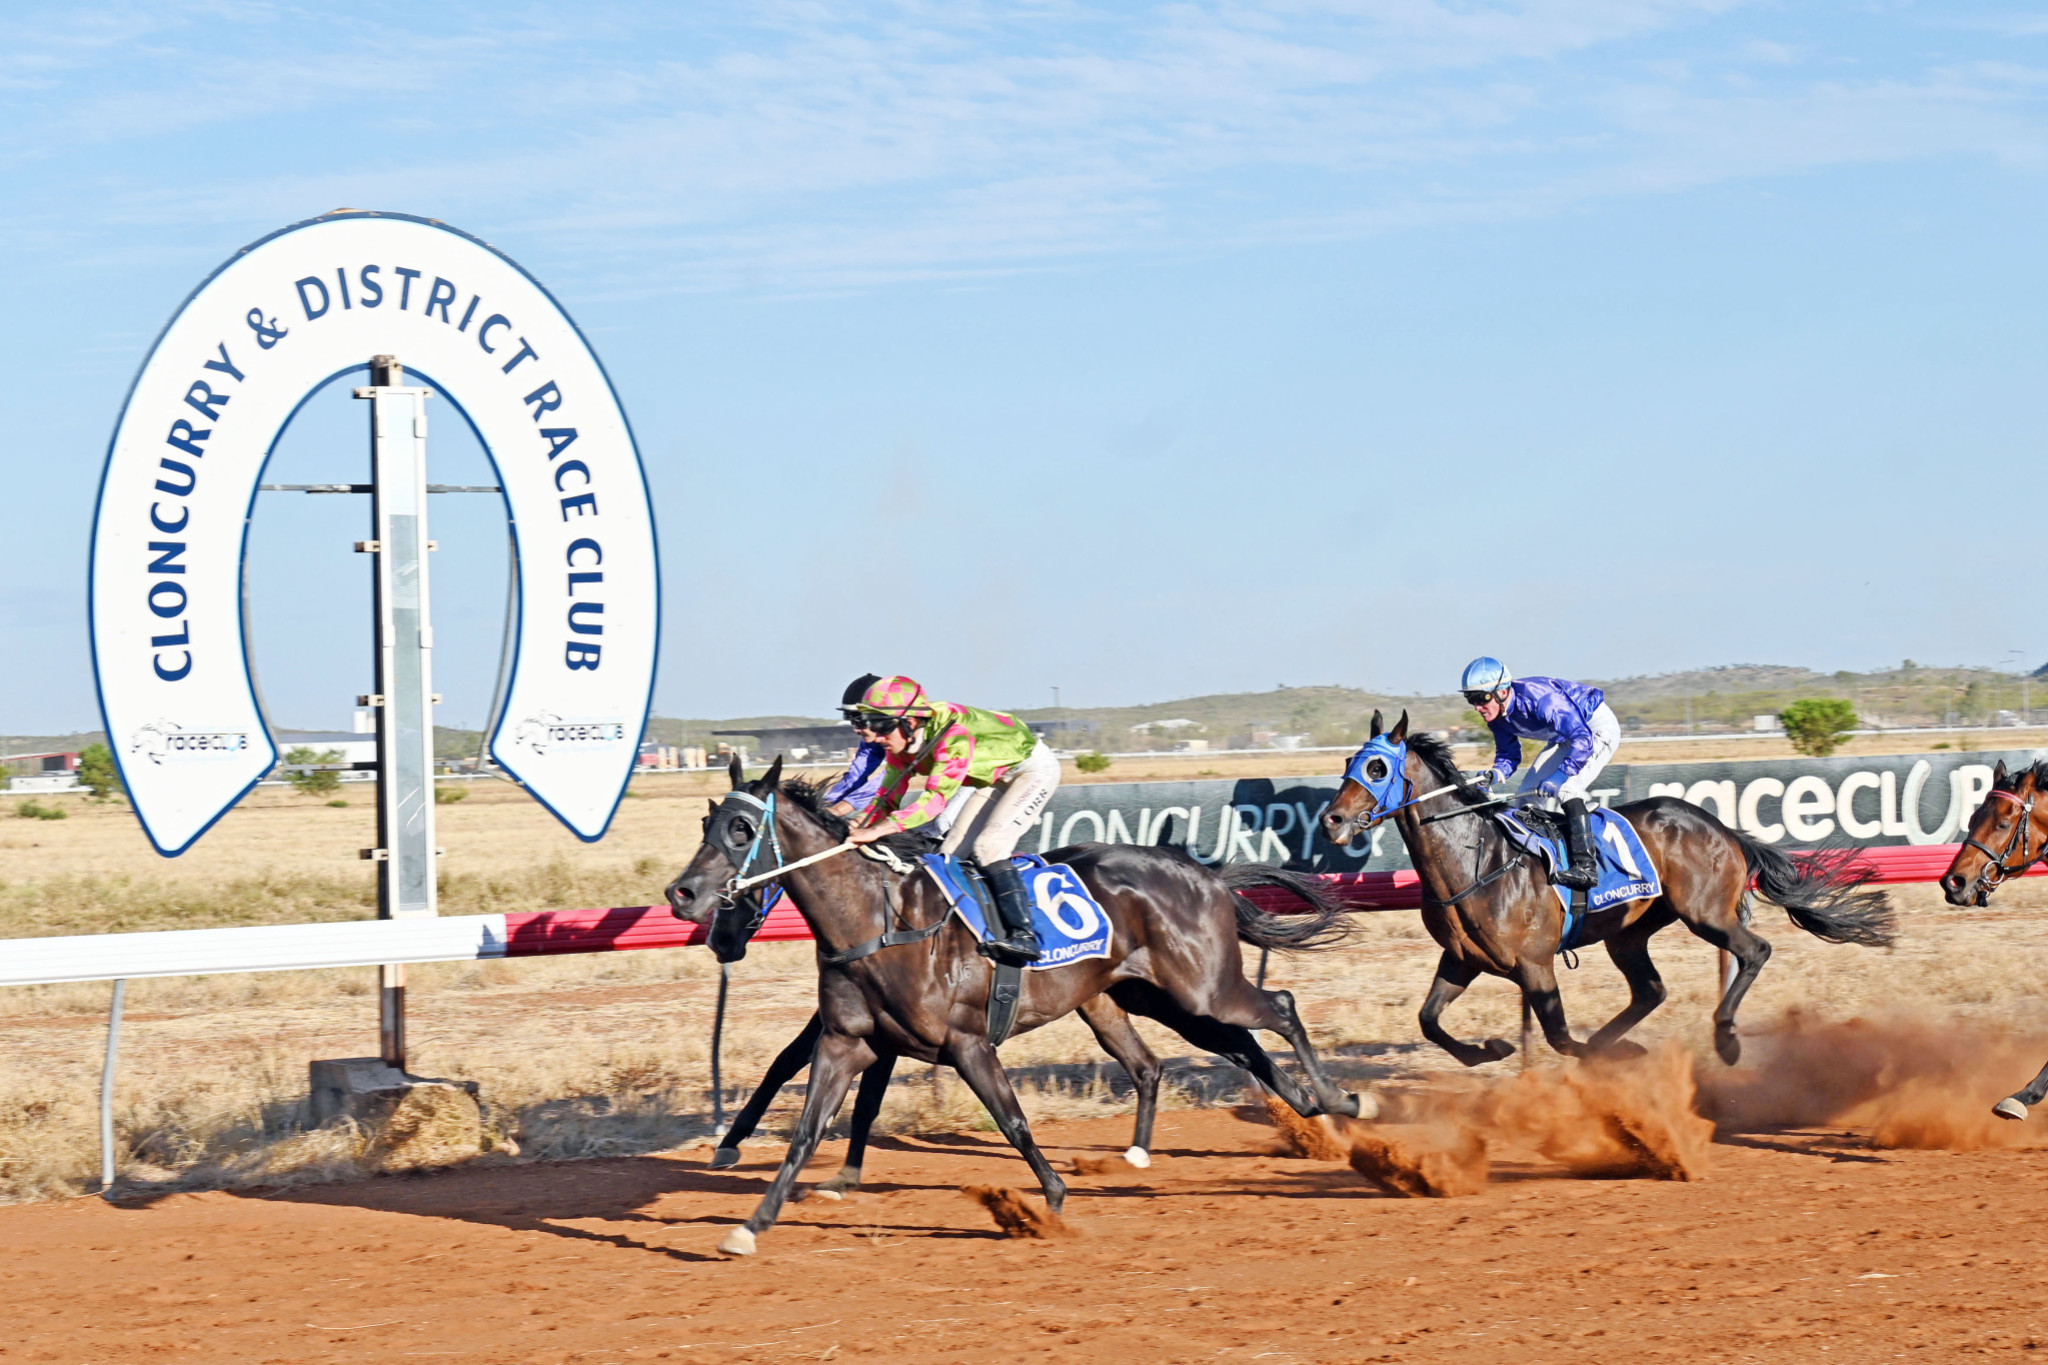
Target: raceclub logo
[
  {"x": 167, "y": 742},
  {"x": 544, "y": 732}
]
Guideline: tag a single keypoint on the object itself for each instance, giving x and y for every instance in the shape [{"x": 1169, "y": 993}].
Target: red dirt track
[{"x": 1796, "y": 1246}]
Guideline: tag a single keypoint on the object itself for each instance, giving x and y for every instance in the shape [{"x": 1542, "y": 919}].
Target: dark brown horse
[
  {"x": 1110, "y": 1025},
  {"x": 1490, "y": 906},
  {"x": 2008, "y": 834},
  {"x": 899, "y": 975}
]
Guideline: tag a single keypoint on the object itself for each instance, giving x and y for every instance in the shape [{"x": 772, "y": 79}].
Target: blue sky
[{"x": 1142, "y": 351}]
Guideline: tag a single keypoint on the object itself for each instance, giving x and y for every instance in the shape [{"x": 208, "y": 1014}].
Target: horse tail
[
  {"x": 1322, "y": 925},
  {"x": 1827, "y": 894}
]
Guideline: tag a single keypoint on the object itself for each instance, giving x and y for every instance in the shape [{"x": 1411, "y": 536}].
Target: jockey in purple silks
[
  {"x": 858, "y": 786},
  {"x": 1581, "y": 730}
]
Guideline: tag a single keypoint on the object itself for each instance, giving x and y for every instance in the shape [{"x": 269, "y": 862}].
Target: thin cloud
[{"x": 801, "y": 148}]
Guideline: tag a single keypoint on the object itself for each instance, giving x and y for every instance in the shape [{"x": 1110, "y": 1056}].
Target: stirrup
[{"x": 1021, "y": 949}]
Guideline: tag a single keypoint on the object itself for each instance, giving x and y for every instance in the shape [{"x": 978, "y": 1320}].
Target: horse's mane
[
  {"x": 2039, "y": 772},
  {"x": 810, "y": 798},
  {"x": 1436, "y": 756}
]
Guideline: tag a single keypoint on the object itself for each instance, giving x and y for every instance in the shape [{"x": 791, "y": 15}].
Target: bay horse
[
  {"x": 1490, "y": 906},
  {"x": 2008, "y": 834},
  {"x": 899, "y": 975}
]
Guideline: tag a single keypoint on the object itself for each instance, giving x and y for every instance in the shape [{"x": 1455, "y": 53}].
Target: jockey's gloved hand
[
  {"x": 1485, "y": 778},
  {"x": 1549, "y": 789}
]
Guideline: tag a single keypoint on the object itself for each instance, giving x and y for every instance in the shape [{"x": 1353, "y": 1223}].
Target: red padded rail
[{"x": 621, "y": 928}]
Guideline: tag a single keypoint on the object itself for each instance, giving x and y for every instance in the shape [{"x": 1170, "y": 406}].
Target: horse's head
[
  {"x": 2005, "y": 837},
  {"x": 735, "y": 833},
  {"x": 1375, "y": 782}
]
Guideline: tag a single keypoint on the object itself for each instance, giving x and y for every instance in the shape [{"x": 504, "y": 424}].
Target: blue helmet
[{"x": 1485, "y": 675}]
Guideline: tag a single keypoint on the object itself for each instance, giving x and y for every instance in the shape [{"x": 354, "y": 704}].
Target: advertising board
[{"x": 1911, "y": 799}]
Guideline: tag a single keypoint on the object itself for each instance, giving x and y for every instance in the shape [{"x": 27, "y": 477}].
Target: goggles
[{"x": 1480, "y": 698}]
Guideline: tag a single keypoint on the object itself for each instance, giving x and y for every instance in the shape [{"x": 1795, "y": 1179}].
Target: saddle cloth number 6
[{"x": 1074, "y": 915}]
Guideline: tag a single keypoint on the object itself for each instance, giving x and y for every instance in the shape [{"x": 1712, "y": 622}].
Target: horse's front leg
[
  {"x": 838, "y": 1059},
  {"x": 1538, "y": 981},
  {"x": 979, "y": 1066},
  {"x": 781, "y": 1071},
  {"x": 874, "y": 1085},
  {"x": 1453, "y": 975}
]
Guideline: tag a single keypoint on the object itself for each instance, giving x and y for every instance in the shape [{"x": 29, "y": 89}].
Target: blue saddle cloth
[
  {"x": 1070, "y": 925},
  {"x": 1626, "y": 872}
]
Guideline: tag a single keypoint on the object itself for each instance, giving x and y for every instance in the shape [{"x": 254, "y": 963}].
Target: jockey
[
  {"x": 932, "y": 750},
  {"x": 1577, "y": 724},
  {"x": 855, "y": 790}
]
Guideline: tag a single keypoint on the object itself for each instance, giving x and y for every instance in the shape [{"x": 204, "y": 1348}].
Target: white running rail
[{"x": 263, "y": 948}]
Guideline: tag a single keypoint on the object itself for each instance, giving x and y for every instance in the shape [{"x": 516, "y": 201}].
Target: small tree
[
  {"x": 1092, "y": 763},
  {"x": 96, "y": 772},
  {"x": 1816, "y": 724},
  {"x": 317, "y": 783}
]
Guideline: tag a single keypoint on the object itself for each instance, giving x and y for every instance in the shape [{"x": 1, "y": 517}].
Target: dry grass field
[{"x": 609, "y": 1054}]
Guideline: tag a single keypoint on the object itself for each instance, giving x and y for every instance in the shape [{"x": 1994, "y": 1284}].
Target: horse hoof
[
  {"x": 1728, "y": 1046},
  {"x": 2010, "y": 1108},
  {"x": 1139, "y": 1157},
  {"x": 738, "y": 1242},
  {"x": 847, "y": 1179},
  {"x": 1498, "y": 1049},
  {"x": 724, "y": 1158},
  {"x": 1622, "y": 1050},
  {"x": 1361, "y": 1105}
]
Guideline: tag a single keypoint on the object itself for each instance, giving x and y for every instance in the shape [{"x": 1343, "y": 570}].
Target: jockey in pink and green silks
[{"x": 933, "y": 749}]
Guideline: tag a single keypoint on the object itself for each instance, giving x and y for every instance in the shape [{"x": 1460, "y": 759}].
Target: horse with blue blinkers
[{"x": 1490, "y": 906}]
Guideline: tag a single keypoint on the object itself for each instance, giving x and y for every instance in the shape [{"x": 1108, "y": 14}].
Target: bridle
[
  {"x": 1998, "y": 866},
  {"x": 721, "y": 833},
  {"x": 1393, "y": 791}
]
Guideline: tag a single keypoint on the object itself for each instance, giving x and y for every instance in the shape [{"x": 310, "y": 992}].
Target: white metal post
[
  {"x": 107, "y": 1091},
  {"x": 404, "y": 701}
]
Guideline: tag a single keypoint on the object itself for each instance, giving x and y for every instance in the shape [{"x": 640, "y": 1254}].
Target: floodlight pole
[{"x": 404, "y": 700}]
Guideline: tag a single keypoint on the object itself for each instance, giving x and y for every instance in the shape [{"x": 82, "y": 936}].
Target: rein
[
  {"x": 1996, "y": 868},
  {"x": 1508, "y": 864},
  {"x": 1385, "y": 811},
  {"x": 889, "y": 938}
]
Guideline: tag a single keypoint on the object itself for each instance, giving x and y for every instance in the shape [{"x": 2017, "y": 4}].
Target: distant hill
[
  {"x": 50, "y": 744},
  {"x": 1705, "y": 701}
]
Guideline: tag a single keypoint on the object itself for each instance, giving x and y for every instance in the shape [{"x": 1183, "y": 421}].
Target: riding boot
[
  {"x": 1016, "y": 942},
  {"x": 1584, "y": 870}
]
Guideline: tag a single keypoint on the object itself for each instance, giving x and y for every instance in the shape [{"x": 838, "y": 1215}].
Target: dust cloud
[
  {"x": 1438, "y": 1163},
  {"x": 1310, "y": 1138},
  {"x": 1909, "y": 1080},
  {"x": 1016, "y": 1215}
]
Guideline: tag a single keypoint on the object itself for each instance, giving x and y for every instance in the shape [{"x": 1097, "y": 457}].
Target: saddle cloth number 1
[{"x": 1610, "y": 833}]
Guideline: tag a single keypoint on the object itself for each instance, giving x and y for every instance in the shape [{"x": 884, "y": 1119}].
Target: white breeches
[
  {"x": 1606, "y": 739},
  {"x": 991, "y": 820}
]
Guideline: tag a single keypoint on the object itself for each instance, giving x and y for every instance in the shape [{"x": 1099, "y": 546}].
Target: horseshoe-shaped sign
[{"x": 304, "y": 306}]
